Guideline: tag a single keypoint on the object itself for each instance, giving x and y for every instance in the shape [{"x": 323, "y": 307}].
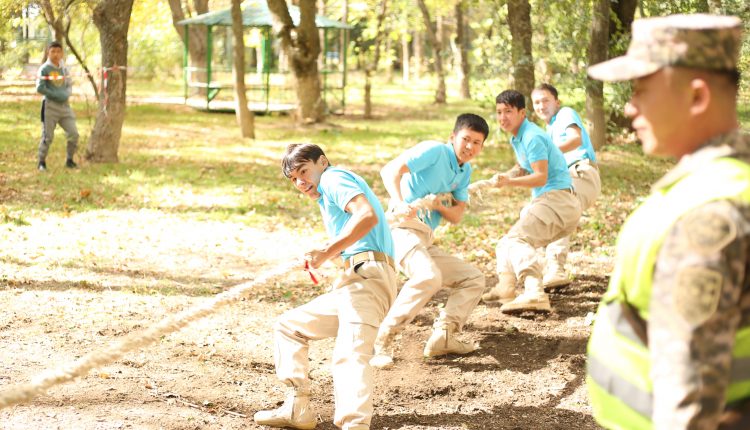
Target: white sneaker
[
  {"x": 443, "y": 341},
  {"x": 538, "y": 302},
  {"x": 294, "y": 413}
]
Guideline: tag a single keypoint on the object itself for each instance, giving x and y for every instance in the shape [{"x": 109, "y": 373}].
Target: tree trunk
[
  {"x": 622, "y": 14},
  {"x": 196, "y": 37},
  {"x": 245, "y": 118},
  {"x": 376, "y": 58},
  {"x": 437, "y": 50},
  {"x": 598, "y": 49},
  {"x": 302, "y": 46},
  {"x": 619, "y": 25},
  {"x": 462, "y": 43},
  {"x": 112, "y": 18},
  {"x": 418, "y": 54},
  {"x": 405, "y": 57},
  {"x": 519, "y": 21}
]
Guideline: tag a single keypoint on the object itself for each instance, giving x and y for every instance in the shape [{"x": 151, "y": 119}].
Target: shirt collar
[
  {"x": 454, "y": 160},
  {"x": 731, "y": 144}
]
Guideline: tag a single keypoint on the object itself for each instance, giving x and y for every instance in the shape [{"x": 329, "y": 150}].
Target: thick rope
[
  {"x": 41, "y": 383},
  {"x": 424, "y": 207},
  {"x": 476, "y": 188},
  {"x": 426, "y": 204}
]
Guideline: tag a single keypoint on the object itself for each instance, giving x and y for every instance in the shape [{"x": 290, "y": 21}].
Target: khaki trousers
[
  {"x": 351, "y": 312},
  {"x": 429, "y": 269},
  {"x": 549, "y": 217},
  {"x": 588, "y": 186}
]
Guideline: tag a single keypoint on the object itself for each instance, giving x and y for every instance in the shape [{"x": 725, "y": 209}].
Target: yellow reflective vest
[{"x": 618, "y": 366}]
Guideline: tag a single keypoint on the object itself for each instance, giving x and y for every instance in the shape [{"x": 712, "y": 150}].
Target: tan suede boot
[
  {"x": 443, "y": 341},
  {"x": 555, "y": 277},
  {"x": 294, "y": 413},
  {"x": 504, "y": 291},
  {"x": 532, "y": 299},
  {"x": 383, "y": 355}
]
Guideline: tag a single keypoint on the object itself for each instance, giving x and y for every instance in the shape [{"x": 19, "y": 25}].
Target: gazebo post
[
  {"x": 209, "y": 54},
  {"x": 185, "y": 72}
]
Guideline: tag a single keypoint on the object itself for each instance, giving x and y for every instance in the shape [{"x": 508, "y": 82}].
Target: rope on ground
[{"x": 42, "y": 382}]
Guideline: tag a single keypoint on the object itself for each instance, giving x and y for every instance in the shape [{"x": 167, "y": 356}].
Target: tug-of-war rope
[
  {"x": 81, "y": 367},
  {"x": 426, "y": 204},
  {"x": 41, "y": 383}
]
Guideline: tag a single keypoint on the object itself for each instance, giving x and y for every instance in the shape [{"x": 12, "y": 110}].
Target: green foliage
[{"x": 155, "y": 48}]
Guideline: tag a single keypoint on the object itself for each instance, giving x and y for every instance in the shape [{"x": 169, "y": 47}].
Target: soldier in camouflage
[{"x": 670, "y": 348}]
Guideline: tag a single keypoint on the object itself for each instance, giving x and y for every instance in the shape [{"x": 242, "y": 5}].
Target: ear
[{"x": 700, "y": 97}]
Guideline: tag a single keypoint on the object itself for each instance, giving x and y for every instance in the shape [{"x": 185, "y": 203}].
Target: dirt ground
[{"x": 75, "y": 284}]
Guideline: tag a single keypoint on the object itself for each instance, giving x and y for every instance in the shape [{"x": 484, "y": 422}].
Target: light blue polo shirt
[
  {"x": 337, "y": 188},
  {"x": 531, "y": 145},
  {"x": 434, "y": 169},
  {"x": 557, "y": 130}
]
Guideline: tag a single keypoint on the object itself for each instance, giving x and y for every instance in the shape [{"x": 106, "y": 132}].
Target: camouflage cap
[{"x": 709, "y": 42}]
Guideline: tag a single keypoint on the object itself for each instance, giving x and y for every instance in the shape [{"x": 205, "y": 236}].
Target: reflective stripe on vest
[{"x": 619, "y": 380}]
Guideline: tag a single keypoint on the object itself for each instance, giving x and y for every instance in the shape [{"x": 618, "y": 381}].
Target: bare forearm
[
  {"x": 452, "y": 214},
  {"x": 570, "y": 144},
  {"x": 358, "y": 226},
  {"x": 391, "y": 175},
  {"x": 533, "y": 180}
]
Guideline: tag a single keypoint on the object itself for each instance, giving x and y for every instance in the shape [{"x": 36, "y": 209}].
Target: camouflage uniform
[
  {"x": 693, "y": 320},
  {"x": 700, "y": 287}
]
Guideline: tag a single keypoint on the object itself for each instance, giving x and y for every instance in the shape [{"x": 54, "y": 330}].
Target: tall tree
[
  {"x": 112, "y": 18},
  {"x": 302, "y": 46},
  {"x": 197, "y": 43},
  {"x": 595, "y": 89},
  {"x": 373, "y": 66},
  {"x": 245, "y": 118},
  {"x": 437, "y": 50},
  {"x": 462, "y": 45},
  {"x": 418, "y": 49},
  {"x": 404, "y": 56},
  {"x": 519, "y": 21}
]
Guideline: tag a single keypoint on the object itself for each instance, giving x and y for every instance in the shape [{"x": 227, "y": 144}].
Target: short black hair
[
  {"x": 511, "y": 98},
  {"x": 54, "y": 44},
  {"x": 549, "y": 88},
  {"x": 472, "y": 122},
  {"x": 297, "y": 154}
]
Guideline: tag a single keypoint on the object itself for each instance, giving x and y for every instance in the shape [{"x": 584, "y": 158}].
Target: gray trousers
[{"x": 58, "y": 113}]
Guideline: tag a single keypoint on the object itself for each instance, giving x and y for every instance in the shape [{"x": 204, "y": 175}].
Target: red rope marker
[{"x": 311, "y": 271}]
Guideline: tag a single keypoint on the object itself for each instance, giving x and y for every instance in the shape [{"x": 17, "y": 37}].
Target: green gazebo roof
[{"x": 255, "y": 13}]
